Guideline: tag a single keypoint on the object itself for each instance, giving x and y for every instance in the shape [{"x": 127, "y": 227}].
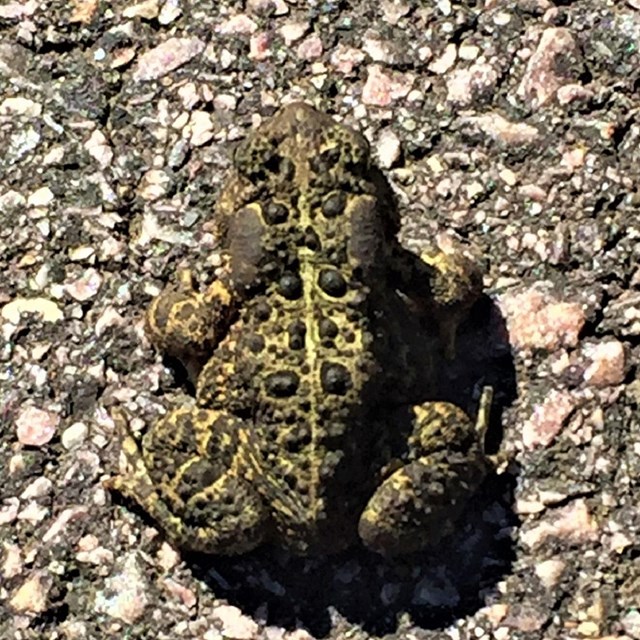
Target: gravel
[{"x": 509, "y": 127}]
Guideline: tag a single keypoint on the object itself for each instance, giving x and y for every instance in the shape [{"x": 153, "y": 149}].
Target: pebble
[
  {"x": 537, "y": 320},
  {"x": 394, "y": 10},
  {"x": 170, "y": 11},
  {"x": 526, "y": 617},
  {"x": 620, "y": 542},
  {"x": 466, "y": 85},
  {"x": 345, "y": 59},
  {"x": 33, "y": 513},
  {"x": 31, "y": 596},
  {"x": 381, "y": 89},
  {"x": 24, "y": 141},
  {"x": 572, "y": 523},
  {"x": 110, "y": 317},
  {"x": 235, "y": 625},
  {"x": 59, "y": 525},
  {"x": 181, "y": 593},
  {"x": 260, "y": 46},
  {"x": 16, "y": 10},
  {"x": 608, "y": 363},
  {"x": 588, "y": 628},
  {"x": 310, "y": 48},
  {"x": 38, "y": 488},
  {"x": 240, "y": 24},
  {"x": 74, "y": 435},
  {"x": 630, "y": 622},
  {"x": 378, "y": 50},
  {"x": 200, "y": 129},
  {"x": 168, "y": 557},
  {"x": 98, "y": 148},
  {"x": 548, "y": 419},
  {"x": 82, "y": 253},
  {"x": 12, "y": 561},
  {"x": 166, "y": 57},
  {"x": 35, "y": 427},
  {"x": 48, "y": 310},
  {"x": 97, "y": 556},
  {"x": 499, "y": 128},
  {"x": 225, "y": 102},
  {"x": 543, "y": 76},
  {"x": 446, "y": 61},
  {"x": 9, "y": 510},
  {"x": 125, "y": 594},
  {"x": 573, "y": 93},
  {"x": 388, "y": 149},
  {"x": 121, "y": 57},
  {"x": 468, "y": 52},
  {"x": 154, "y": 185},
  {"x": 293, "y": 31},
  {"x": 86, "y": 286},
  {"x": 19, "y": 106},
  {"x": 83, "y": 11},
  {"x": 550, "y": 571},
  {"x": 11, "y": 200},
  {"x": 148, "y": 10},
  {"x": 40, "y": 198}
]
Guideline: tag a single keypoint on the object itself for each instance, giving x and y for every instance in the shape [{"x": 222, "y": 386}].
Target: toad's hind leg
[
  {"x": 188, "y": 478},
  {"x": 419, "y": 503}
]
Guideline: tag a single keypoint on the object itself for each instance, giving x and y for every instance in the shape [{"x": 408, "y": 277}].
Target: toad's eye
[{"x": 258, "y": 159}]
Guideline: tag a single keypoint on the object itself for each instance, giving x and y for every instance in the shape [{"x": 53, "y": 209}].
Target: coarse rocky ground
[{"x": 512, "y": 126}]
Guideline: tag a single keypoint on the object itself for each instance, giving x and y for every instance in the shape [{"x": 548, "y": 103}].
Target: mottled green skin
[{"x": 293, "y": 439}]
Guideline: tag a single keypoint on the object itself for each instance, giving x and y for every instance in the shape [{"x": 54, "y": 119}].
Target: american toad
[{"x": 300, "y": 434}]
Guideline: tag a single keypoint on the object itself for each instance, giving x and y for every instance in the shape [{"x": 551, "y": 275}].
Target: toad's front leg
[
  {"x": 187, "y": 324},
  {"x": 443, "y": 286}
]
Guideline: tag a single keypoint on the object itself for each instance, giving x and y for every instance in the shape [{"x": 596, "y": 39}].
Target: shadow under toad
[{"x": 431, "y": 589}]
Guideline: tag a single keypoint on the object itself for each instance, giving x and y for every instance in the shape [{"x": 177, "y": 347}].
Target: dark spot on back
[
  {"x": 255, "y": 342},
  {"x": 311, "y": 239},
  {"x": 327, "y": 328},
  {"x": 262, "y": 311},
  {"x": 275, "y": 213},
  {"x": 332, "y": 282},
  {"x": 282, "y": 384},
  {"x": 290, "y": 286},
  {"x": 334, "y": 204},
  {"x": 297, "y": 331},
  {"x": 335, "y": 378}
]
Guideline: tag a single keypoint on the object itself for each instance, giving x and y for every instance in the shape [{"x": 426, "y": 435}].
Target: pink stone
[
  {"x": 36, "y": 427},
  {"x": 547, "y": 419},
  {"x": 166, "y": 57},
  {"x": 542, "y": 78},
  {"x": 310, "y": 48},
  {"x": 536, "y": 320},
  {"x": 607, "y": 363},
  {"x": 381, "y": 89}
]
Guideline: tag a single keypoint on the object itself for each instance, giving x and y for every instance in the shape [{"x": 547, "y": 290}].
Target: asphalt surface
[{"x": 510, "y": 129}]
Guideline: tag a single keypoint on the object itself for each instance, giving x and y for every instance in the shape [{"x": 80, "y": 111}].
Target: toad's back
[{"x": 302, "y": 224}]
